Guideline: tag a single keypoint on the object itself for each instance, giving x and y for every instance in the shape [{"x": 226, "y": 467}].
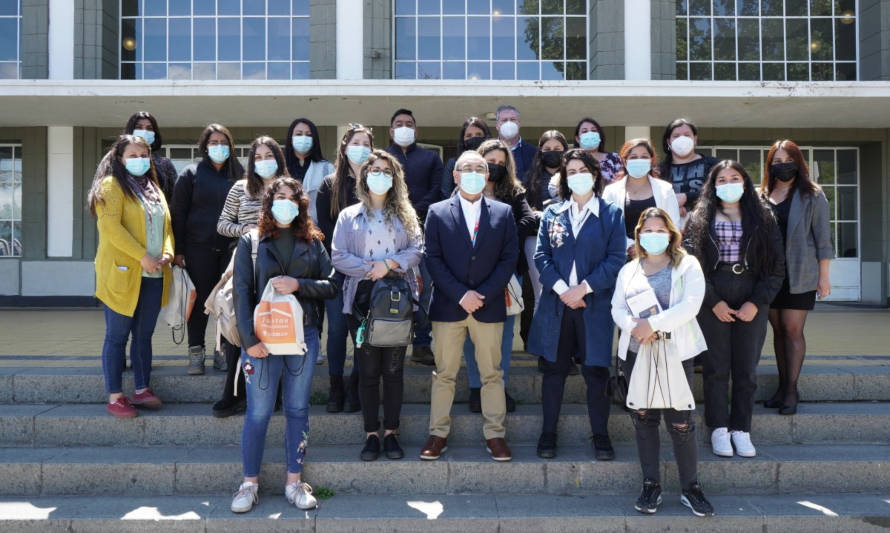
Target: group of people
[{"x": 580, "y": 235}]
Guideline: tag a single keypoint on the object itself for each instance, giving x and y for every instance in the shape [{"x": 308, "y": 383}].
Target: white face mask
[
  {"x": 403, "y": 136},
  {"x": 682, "y": 145},
  {"x": 509, "y": 130}
]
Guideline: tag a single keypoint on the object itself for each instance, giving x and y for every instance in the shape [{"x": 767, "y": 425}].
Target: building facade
[{"x": 747, "y": 72}]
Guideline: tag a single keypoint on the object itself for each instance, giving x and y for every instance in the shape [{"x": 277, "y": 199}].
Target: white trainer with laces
[
  {"x": 300, "y": 494},
  {"x": 720, "y": 444},
  {"x": 245, "y": 498},
  {"x": 741, "y": 440}
]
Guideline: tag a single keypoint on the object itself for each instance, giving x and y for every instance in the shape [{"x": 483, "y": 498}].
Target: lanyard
[{"x": 476, "y": 229}]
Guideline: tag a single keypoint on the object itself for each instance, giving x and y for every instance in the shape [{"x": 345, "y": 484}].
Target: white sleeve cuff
[
  {"x": 560, "y": 287},
  {"x": 587, "y": 287}
]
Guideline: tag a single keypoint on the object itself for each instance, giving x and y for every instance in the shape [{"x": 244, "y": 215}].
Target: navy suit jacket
[{"x": 456, "y": 265}]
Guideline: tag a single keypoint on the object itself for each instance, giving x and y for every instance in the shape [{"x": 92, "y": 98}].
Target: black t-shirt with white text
[{"x": 689, "y": 178}]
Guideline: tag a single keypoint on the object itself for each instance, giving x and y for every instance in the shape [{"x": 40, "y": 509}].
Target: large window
[
  {"x": 490, "y": 39},
  {"x": 10, "y": 39},
  {"x": 214, "y": 39},
  {"x": 10, "y": 200},
  {"x": 793, "y": 40}
]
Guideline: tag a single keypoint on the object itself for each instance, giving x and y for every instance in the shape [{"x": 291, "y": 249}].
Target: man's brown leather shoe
[
  {"x": 433, "y": 448},
  {"x": 498, "y": 449}
]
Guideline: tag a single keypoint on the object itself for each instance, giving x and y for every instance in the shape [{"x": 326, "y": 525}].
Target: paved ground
[{"x": 54, "y": 337}]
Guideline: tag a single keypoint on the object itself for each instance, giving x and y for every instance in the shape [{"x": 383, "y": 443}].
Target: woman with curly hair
[{"x": 292, "y": 258}]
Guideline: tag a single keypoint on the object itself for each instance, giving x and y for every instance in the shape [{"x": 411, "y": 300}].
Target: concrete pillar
[
  {"x": 61, "y": 40},
  {"x": 350, "y": 40},
  {"x": 323, "y": 39},
  {"x": 35, "y": 14},
  {"x": 605, "y": 30},
  {"x": 637, "y": 40},
  {"x": 378, "y": 39},
  {"x": 664, "y": 40},
  {"x": 874, "y": 45},
  {"x": 59, "y": 191}
]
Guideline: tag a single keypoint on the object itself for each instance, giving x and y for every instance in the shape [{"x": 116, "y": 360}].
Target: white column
[
  {"x": 635, "y": 132},
  {"x": 59, "y": 191},
  {"x": 61, "y": 39},
  {"x": 637, "y": 40},
  {"x": 350, "y": 40}
]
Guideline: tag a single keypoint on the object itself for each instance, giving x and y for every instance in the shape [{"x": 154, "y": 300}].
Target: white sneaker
[
  {"x": 720, "y": 444},
  {"x": 300, "y": 494},
  {"x": 245, "y": 498},
  {"x": 742, "y": 442}
]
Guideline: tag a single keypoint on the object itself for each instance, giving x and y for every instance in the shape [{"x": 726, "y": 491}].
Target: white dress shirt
[
  {"x": 578, "y": 218},
  {"x": 472, "y": 212}
]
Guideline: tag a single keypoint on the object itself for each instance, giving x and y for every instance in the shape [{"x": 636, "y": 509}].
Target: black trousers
[
  {"x": 680, "y": 426},
  {"x": 528, "y": 298},
  {"x": 205, "y": 264},
  {"x": 570, "y": 349},
  {"x": 377, "y": 363},
  {"x": 232, "y": 354},
  {"x": 733, "y": 352}
]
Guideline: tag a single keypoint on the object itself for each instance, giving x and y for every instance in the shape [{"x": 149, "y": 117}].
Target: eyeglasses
[
  {"x": 477, "y": 168},
  {"x": 386, "y": 172}
]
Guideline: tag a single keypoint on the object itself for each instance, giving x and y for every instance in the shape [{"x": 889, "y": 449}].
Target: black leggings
[
  {"x": 387, "y": 363},
  {"x": 205, "y": 265}
]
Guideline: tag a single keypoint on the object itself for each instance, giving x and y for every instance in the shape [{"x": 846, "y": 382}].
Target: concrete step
[
  {"x": 31, "y": 385},
  {"x": 167, "y": 471},
  {"x": 193, "y": 425},
  {"x": 493, "y": 513}
]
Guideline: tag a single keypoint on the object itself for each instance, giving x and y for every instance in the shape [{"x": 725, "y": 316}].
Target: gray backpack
[
  {"x": 220, "y": 305},
  {"x": 389, "y": 319}
]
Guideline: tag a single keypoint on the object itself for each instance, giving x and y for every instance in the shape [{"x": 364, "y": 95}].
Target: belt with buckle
[{"x": 736, "y": 268}]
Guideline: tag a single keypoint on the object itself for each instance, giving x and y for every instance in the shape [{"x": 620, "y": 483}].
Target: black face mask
[
  {"x": 783, "y": 171},
  {"x": 552, "y": 158},
  {"x": 496, "y": 172},
  {"x": 473, "y": 143}
]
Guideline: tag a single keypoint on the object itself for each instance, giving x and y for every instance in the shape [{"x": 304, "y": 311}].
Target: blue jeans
[
  {"x": 423, "y": 328},
  {"x": 141, "y": 326},
  {"x": 336, "y": 343},
  {"x": 262, "y": 377},
  {"x": 506, "y": 351}
]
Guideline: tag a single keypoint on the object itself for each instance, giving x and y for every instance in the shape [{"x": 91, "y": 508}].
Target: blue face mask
[
  {"x": 148, "y": 135},
  {"x": 581, "y": 183},
  {"x": 265, "y": 168},
  {"x": 285, "y": 211},
  {"x": 730, "y": 192},
  {"x": 357, "y": 154},
  {"x": 137, "y": 166},
  {"x": 589, "y": 140},
  {"x": 301, "y": 143},
  {"x": 472, "y": 182},
  {"x": 218, "y": 153},
  {"x": 654, "y": 243},
  {"x": 378, "y": 182},
  {"x": 638, "y": 168}
]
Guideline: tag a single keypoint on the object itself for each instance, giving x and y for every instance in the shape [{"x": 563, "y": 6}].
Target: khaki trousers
[{"x": 448, "y": 342}]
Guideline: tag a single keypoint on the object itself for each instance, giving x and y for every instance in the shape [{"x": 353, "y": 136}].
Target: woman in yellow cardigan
[{"x": 132, "y": 267}]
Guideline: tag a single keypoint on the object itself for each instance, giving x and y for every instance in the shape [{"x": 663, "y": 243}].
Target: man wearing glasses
[{"x": 471, "y": 252}]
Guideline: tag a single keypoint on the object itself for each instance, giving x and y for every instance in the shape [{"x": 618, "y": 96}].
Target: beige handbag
[
  {"x": 658, "y": 380},
  {"x": 513, "y": 295}
]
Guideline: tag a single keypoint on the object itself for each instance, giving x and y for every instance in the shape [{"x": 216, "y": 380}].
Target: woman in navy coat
[{"x": 580, "y": 250}]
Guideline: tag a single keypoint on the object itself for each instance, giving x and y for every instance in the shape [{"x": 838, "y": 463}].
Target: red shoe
[
  {"x": 122, "y": 408},
  {"x": 146, "y": 399}
]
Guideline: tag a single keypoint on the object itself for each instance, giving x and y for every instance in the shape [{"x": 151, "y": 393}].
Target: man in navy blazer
[{"x": 471, "y": 252}]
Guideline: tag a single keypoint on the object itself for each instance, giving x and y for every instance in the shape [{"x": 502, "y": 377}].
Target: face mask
[
  {"x": 730, "y": 192},
  {"x": 509, "y": 129},
  {"x": 654, "y": 243},
  {"x": 472, "y": 182},
  {"x": 681, "y": 146},
  {"x": 301, "y": 143},
  {"x": 285, "y": 211},
  {"x": 218, "y": 153},
  {"x": 783, "y": 171},
  {"x": 552, "y": 158},
  {"x": 378, "y": 182},
  {"x": 589, "y": 140},
  {"x": 473, "y": 143},
  {"x": 496, "y": 172},
  {"x": 403, "y": 136},
  {"x": 148, "y": 135},
  {"x": 357, "y": 154},
  {"x": 265, "y": 168},
  {"x": 638, "y": 168},
  {"x": 137, "y": 166},
  {"x": 581, "y": 183}
]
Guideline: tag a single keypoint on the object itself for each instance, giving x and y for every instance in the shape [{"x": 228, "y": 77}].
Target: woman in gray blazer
[{"x": 801, "y": 210}]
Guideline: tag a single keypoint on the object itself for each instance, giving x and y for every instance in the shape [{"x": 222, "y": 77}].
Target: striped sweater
[{"x": 239, "y": 211}]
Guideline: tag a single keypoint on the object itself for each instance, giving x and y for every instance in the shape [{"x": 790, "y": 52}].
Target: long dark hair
[
  {"x": 665, "y": 167},
  {"x": 136, "y": 117},
  {"x": 254, "y": 181},
  {"x": 302, "y": 226},
  {"x": 339, "y": 188},
  {"x": 472, "y": 121},
  {"x": 592, "y": 166},
  {"x": 602, "y": 145},
  {"x": 758, "y": 222},
  {"x": 803, "y": 182},
  {"x": 534, "y": 174},
  {"x": 119, "y": 171},
  {"x": 509, "y": 186},
  {"x": 291, "y": 155},
  {"x": 232, "y": 167}
]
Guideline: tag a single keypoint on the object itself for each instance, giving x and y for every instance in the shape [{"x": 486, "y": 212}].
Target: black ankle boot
[
  {"x": 353, "y": 403},
  {"x": 336, "y": 395}
]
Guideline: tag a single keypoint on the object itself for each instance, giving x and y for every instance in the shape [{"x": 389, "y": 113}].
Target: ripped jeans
[{"x": 680, "y": 426}]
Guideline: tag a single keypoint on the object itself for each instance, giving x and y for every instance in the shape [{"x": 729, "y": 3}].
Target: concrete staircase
[{"x": 66, "y": 465}]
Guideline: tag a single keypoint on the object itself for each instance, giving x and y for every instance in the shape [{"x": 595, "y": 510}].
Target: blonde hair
[
  {"x": 397, "y": 203},
  {"x": 675, "y": 248}
]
